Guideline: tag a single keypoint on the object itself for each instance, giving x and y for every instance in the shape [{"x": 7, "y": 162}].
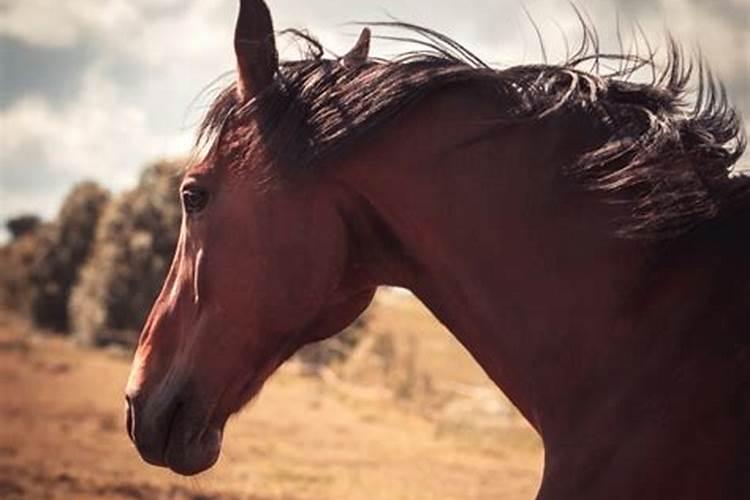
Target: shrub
[
  {"x": 16, "y": 261},
  {"x": 22, "y": 225},
  {"x": 60, "y": 252},
  {"x": 133, "y": 247}
]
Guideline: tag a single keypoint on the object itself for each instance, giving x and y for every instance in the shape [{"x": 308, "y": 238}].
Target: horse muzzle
[{"x": 173, "y": 433}]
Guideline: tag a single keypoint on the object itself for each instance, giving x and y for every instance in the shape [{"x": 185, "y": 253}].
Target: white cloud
[
  {"x": 95, "y": 135},
  {"x": 50, "y": 23}
]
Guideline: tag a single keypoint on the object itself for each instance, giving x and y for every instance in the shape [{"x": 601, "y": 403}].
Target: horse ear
[
  {"x": 257, "y": 59},
  {"x": 358, "y": 54}
]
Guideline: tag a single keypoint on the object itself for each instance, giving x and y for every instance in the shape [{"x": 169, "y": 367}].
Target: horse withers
[{"x": 579, "y": 233}]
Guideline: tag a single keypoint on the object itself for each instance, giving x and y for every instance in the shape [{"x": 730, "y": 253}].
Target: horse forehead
[
  {"x": 214, "y": 173},
  {"x": 204, "y": 169}
]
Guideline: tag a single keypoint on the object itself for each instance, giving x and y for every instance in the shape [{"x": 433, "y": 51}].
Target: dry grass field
[{"x": 407, "y": 416}]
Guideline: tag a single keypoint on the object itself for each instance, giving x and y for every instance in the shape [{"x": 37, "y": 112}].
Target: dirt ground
[{"x": 62, "y": 436}]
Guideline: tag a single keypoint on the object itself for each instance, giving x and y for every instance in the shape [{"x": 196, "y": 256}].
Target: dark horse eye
[{"x": 194, "y": 199}]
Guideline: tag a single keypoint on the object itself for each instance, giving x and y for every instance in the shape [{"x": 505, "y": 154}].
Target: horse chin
[{"x": 189, "y": 453}]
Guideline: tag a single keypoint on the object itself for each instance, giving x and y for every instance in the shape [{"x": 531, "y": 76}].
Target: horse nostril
[{"x": 129, "y": 419}]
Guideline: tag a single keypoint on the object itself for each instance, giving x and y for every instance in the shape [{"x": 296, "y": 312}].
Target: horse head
[{"x": 259, "y": 271}]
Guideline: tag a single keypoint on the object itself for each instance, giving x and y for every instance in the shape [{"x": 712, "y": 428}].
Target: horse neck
[{"x": 521, "y": 266}]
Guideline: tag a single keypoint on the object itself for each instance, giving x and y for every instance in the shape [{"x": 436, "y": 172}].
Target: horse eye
[{"x": 194, "y": 199}]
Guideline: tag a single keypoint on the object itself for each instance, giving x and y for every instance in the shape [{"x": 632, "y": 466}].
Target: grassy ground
[{"x": 415, "y": 422}]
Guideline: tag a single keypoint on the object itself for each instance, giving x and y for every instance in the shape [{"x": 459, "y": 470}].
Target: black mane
[{"x": 668, "y": 160}]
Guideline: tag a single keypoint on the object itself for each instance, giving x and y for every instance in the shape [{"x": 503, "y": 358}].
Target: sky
[{"x": 96, "y": 89}]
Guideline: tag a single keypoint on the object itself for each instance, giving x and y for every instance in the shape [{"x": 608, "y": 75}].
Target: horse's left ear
[
  {"x": 257, "y": 59},
  {"x": 359, "y": 53}
]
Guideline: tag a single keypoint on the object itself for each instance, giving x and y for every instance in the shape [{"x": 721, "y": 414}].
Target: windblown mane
[{"x": 669, "y": 161}]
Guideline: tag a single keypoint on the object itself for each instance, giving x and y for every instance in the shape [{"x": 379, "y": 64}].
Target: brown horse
[{"x": 580, "y": 234}]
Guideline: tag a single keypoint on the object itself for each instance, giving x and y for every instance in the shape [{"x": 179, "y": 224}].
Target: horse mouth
[
  {"x": 191, "y": 448},
  {"x": 178, "y": 439}
]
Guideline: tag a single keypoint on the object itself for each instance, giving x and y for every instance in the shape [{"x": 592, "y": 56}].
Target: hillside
[{"x": 429, "y": 426}]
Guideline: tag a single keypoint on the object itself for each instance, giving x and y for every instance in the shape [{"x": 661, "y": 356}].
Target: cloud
[
  {"x": 63, "y": 24},
  {"x": 98, "y": 94},
  {"x": 52, "y": 73},
  {"x": 94, "y": 136}
]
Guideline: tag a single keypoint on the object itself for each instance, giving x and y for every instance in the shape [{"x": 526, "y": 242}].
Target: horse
[{"x": 581, "y": 234}]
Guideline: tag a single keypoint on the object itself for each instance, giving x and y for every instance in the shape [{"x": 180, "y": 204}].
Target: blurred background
[{"x": 99, "y": 100}]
